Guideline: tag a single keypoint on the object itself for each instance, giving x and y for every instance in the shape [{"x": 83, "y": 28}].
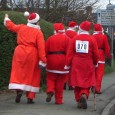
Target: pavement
[{"x": 105, "y": 103}]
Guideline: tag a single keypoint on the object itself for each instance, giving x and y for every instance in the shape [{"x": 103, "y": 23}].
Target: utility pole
[{"x": 109, "y": 2}]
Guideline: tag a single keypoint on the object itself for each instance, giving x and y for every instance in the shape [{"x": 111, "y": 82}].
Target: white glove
[
  {"x": 41, "y": 65},
  {"x": 6, "y": 17},
  {"x": 67, "y": 67},
  {"x": 96, "y": 65}
]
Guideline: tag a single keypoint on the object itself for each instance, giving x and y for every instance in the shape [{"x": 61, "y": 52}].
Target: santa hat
[
  {"x": 85, "y": 26},
  {"x": 98, "y": 27},
  {"x": 59, "y": 27},
  {"x": 32, "y": 18},
  {"x": 73, "y": 24}
]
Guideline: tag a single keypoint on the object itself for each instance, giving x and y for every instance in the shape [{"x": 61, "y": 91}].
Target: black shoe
[
  {"x": 49, "y": 96},
  {"x": 79, "y": 105},
  {"x": 30, "y": 101},
  {"x": 64, "y": 86},
  {"x": 18, "y": 97},
  {"x": 83, "y": 101},
  {"x": 98, "y": 92}
]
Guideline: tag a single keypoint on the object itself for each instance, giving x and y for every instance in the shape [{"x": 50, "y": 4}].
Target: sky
[{"x": 105, "y": 2}]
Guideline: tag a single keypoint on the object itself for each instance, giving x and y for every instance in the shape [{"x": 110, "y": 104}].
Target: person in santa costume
[
  {"x": 70, "y": 32},
  {"x": 72, "y": 29},
  {"x": 28, "y": 54},
  {"x": 56, "y": 49},
  {"x": 104, "y": 52},
  {"x": 82, "y": 57}
]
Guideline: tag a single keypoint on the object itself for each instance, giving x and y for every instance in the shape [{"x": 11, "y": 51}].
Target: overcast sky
[{"x": 105, "y": 2}]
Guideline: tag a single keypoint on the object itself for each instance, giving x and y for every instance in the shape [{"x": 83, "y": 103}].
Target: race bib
[{"x": 82, "y": 46}]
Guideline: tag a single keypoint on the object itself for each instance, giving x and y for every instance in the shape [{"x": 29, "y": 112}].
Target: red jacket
[
  {"x": 82, "y": 58},
  {"x": 25, "y": 74},
  {"x": 103, "y": 47},
  {"x": 56, "y": 50}
]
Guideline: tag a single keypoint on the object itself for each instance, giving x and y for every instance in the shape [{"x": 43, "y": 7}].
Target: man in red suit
[
  {"x": 82, "y": 57},
  {"x": 72, "y": 28},
  {"x": 71, "y": 32},
  {"x": 104, "y": 51},
  {"x": 30, "y": 50},
  {"x": 56, "y": 49}
]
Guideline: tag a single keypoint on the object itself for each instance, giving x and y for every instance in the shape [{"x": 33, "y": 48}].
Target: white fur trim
[
  {"x": 26, "y": 13},
  {"x": 67, "y": 67},
  {"x": 96, "y": 65},
  {"x": 42, "y": 64},
  {"x": 59, "y": 33},
  {"x": 80, "y": 31},
  {"x": 5, "y": 19},
  {"x": 97, "y": 32},
  {"x": 54, "y": 32},
  {"x": 34, "y": 20},
  {"x": 56, "y": 71},
  {"x": 103, "y": 62},
  {"x": 83, "y": 32},
  {"x": 61, "y": 30},
  {"x": 72, "y": 29},
  {"x": 76, "y": 26},
  {"x": 33, "y": 25},
  {"x": 23, "y": 87}
]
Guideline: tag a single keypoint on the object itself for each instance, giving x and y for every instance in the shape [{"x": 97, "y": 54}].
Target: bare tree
[
  {"x": 57, "y": 10},
  {"x": 3, "y": 4},
  {"x": 11, "y": 4},
  {"x": 54, "y": 10}
]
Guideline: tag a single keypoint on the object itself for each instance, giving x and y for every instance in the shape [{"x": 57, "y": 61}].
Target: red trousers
[
  {"x": 55, "y": 84},
  {"x": 78, "y": 91},
  {"x": 30, "y": 95},
  {"x": 99, "y": 76},
  {"x": 67, "y": 80}
]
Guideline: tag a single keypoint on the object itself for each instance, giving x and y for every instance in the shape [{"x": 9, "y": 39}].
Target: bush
[
  {"x": 8, "y": 43},
  {"x": 108, "y": 69}
]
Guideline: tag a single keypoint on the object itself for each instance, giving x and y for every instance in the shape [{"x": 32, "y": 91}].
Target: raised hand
[{"x": 6, "y": 15}]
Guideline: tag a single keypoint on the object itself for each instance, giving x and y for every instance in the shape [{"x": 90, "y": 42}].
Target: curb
[{"x": 110, "y": 108}]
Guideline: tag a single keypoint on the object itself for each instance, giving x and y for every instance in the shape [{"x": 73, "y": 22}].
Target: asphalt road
[{"x": 9, "y": 107}]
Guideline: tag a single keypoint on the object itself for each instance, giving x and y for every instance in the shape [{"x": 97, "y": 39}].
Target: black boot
[
  {"x": 49, "y": 96},
  {"x": 30, "y": 101},
  {"x": 64, "y": 86},
  {"x": 18, "y": 96},
  {"x": 83, "y": 101},
  {"x": 97, "y": 92}
]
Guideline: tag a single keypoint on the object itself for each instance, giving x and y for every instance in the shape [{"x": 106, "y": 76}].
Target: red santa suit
[
  {"x": 70, "y": 32},
  {"x": 104, "y": 51},
  {"x": 56, "y": 49},
  {"x": 30, "y": 50},
  {"x": 82, "y": 58}
]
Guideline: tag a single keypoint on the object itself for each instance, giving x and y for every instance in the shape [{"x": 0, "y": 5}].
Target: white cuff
[
  {"x": 5, "y": 19},
  {"x": 96, "y": 65},
  {"x": 67, "y": 67},
  {"x": 42, "y": 64}
]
